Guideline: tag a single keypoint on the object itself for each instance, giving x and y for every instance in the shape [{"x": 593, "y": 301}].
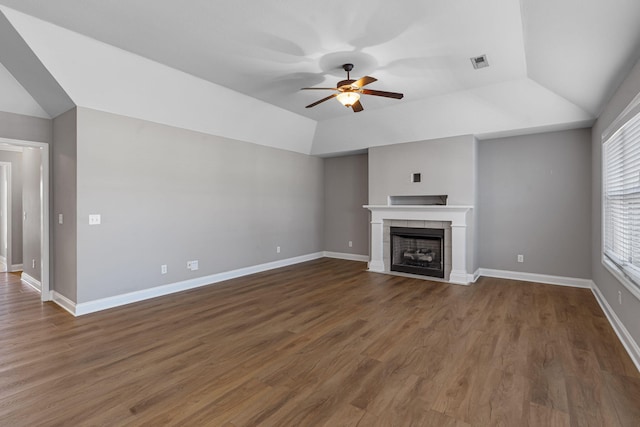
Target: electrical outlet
[
  {"x": 33, "y": 263},
  {"x": 192, "y": 265},
  {"x": 163, "y": 269},
  {"x": 619, "y": 297},
  {"x": 520, "y": 258},
  {"x": 277, "y": 249},
  {"x": 94, "y": 219},
  {"x": 350, "y": 244},
  {"x": 60, "y": 219}
]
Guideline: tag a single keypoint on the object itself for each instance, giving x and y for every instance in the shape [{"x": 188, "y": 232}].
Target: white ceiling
[
  {"x": 569, "y": 52},
  {"x": 270, "y": 49},
  {"x": 16, "y": 99}
]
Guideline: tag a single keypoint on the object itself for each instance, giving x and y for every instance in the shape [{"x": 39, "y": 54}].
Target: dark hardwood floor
[{"x": 319, "y": 343}]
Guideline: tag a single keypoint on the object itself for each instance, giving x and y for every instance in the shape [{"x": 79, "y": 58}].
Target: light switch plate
[{"x": 94, "y": 219}]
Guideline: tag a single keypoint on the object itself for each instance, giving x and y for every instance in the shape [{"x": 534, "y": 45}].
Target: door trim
[
  {"x": 8, "y": 261},
  {"x": 45, "y": 292}
]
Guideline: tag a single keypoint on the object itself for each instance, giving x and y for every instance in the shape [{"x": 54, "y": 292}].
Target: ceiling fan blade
[
  {"x": 318, "y": 88},
  {"x": 357, "y": 107},
  {"x": 322, "y": 100},
  {"x": 364, "y": 81},
  {"x": 382, "y": 93}
]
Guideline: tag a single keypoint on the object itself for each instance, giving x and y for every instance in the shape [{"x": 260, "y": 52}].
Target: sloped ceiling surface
[
  {"x": 15, "y": 99},
  {"x": 43, "y": 96},
  {"x": 554, "y": 62}
]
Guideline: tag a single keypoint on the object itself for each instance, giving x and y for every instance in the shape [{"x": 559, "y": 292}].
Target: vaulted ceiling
[{"x": 553, "y": 63}]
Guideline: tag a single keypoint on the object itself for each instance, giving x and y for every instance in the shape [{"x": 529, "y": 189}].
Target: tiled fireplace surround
[{"x": 453, "y": 219}]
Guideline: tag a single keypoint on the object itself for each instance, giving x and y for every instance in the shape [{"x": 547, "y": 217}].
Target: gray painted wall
[
  {"x": 31, "y": 205},
  {"x": 472, "y": 231},
  {"x": 629, "y": 311},
  {"x": 345, "y": 192},
  {"x": 168, "y": 195},
  {"x": 534, "y": 199},
  {"x": 447, "y": 166},
  {"x": 63, "y": 256},
  {"x": 26, "y": 128},
  {"x": 15, "y": 158}
]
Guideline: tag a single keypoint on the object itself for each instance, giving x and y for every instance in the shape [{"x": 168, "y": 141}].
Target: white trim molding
[
  {"x": 621, "y": 331},
  {"x": 29, "y": 280},
  {"x": 16, "y": 267},
  {"x": 475, "y": 276},
  {"x": 345, "y": 256},
  {"x": 45, "y": 295},
  {"x": 144, "y": 294},
  {"x": 538, "y": 278},
  {"x": 64, "y": 302}
]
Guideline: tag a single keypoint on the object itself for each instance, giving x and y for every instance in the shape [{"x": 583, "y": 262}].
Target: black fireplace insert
[{"x": 417, "y": 251}]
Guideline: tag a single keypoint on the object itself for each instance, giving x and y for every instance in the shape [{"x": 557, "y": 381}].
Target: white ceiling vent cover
[{"x": 480, "y": 62}]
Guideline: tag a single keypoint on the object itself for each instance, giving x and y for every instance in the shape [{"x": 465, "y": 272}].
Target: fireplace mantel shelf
[{"x": 457, "y": 208}]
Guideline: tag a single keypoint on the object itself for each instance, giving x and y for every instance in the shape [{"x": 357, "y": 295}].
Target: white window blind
[{"x": 621, "y": 198}]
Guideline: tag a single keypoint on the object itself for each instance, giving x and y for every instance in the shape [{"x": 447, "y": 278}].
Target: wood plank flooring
[{"x": 322, "y": 343}]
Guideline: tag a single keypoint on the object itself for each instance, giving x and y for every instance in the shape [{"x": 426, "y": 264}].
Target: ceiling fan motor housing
[{"x": 345, "y": 85}]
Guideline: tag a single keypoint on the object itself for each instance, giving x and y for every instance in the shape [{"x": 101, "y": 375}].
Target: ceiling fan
[{"x": 349, "y": 91}]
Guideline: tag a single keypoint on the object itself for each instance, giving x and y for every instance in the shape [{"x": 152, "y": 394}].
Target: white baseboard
[
  {"x": 539, "y": 278},
  {"x": 475, "y": 276},
  {"x": 34, "y": 283},
  {"x": 460, "y": 278},
  {"x": 348, "y": 257},
  {"x": 118, "y": 300},
  {"x": 64, "y": 302},
  {"x": 16, "y": 267},
  {"x": 623, "y": 334}
]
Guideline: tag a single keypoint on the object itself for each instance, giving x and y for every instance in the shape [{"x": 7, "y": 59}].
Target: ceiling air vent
[{"x": 480, "y": 62}]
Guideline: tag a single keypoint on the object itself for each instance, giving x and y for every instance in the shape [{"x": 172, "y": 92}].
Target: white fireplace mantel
[{"x": 456, "y": 214}]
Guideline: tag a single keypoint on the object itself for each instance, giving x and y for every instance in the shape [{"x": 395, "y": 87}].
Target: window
[{"x": 621, "y": 197}]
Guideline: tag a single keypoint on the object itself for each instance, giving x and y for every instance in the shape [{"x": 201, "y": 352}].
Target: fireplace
[
  {"x": 456, "y": 220},
  {"x": 417, "y": 251}
]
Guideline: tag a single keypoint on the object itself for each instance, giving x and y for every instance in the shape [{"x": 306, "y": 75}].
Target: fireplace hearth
[{"x": 417, "y": 251}]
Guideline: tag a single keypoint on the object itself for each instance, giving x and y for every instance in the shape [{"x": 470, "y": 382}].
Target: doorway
[{"x": 42, "y": 216}]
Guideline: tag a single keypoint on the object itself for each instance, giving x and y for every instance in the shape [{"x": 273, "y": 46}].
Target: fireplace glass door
[{"x": 417, "y": 251}]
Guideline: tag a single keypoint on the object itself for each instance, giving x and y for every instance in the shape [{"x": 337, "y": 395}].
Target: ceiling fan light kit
[
  {"x": 349, "y": 91},
  {"x": 348, "y": 98}
]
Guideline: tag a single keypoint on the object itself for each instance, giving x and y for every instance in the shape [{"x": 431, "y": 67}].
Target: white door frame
[
  {"x": 44, "y": 211},
  {"x": 9, "y": 258}
]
